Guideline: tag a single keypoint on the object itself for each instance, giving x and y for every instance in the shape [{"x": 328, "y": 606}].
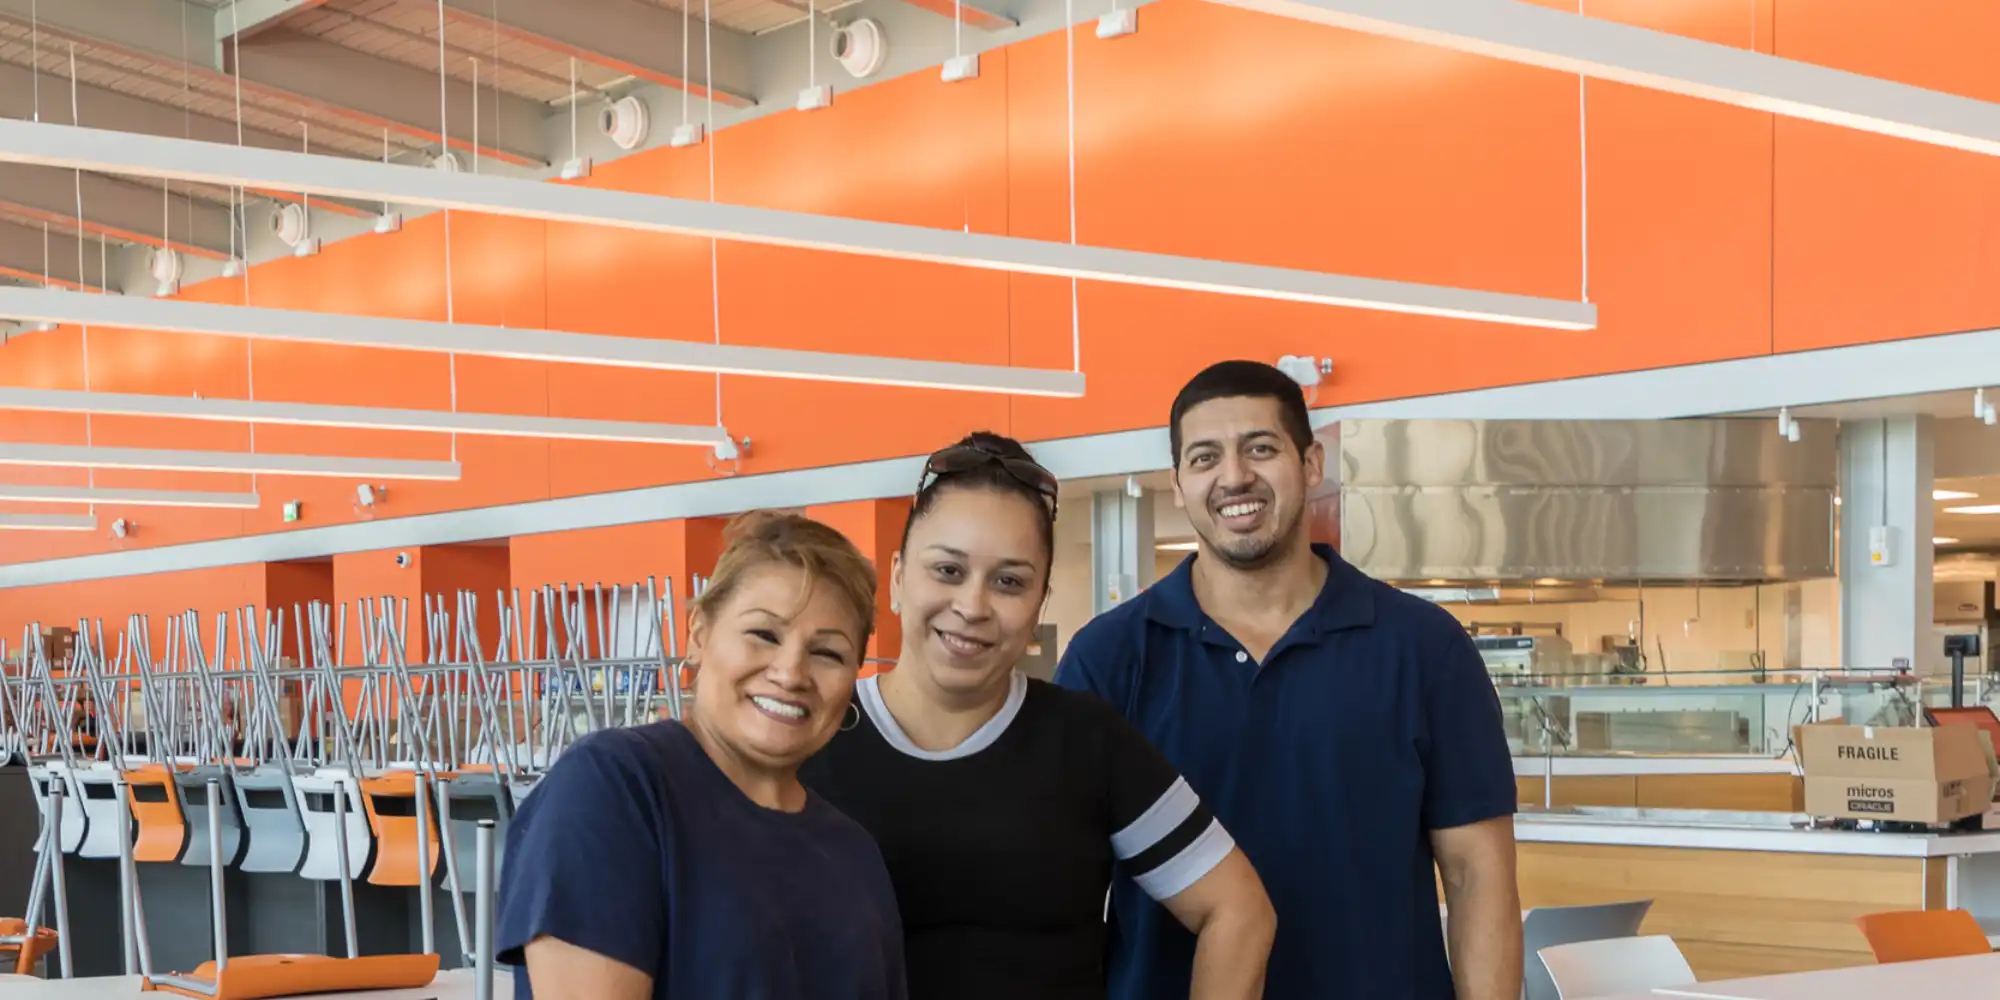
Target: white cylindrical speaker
[
  {"x": 860, "y": 47},
  {"x": 625, "y": 122}
]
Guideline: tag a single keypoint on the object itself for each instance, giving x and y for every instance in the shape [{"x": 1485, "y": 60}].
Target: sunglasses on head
[{"x": 967, "y": 457}]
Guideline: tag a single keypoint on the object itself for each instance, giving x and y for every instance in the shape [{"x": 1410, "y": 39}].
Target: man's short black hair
[{"x": 1244, "y": 380}]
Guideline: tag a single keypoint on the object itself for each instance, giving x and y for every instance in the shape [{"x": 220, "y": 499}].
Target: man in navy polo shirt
[{"x": 1344, "y": 732}]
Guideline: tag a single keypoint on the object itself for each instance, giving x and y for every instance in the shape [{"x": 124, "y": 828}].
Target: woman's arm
[
  {"x": 1233, "y": 924},
  {"x": 559, "y": 970}
]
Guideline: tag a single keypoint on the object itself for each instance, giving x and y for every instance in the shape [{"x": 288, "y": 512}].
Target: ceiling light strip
[
  {"x": 71, "y": 147},
  {"x": 257, "y": 323},
  {"x": 48, "y": 522},
  {"x": 96, "y": 457},
  {"x": 356, "y": 417},
  {"x": 128, "y": 498},
  {"x": 1606, "y": 50}
]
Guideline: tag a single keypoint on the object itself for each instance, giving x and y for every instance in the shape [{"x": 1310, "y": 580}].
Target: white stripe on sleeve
[{"x": 1167, "y": 812}]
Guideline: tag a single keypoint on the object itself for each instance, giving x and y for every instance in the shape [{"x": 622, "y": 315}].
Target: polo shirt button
[{"x": 1242, "y": 656}]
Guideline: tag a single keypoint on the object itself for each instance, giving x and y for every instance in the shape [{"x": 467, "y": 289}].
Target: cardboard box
[{"x": 1923, "y": 775}]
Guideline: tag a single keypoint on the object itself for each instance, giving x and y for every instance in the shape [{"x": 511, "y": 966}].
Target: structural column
[
  {"x": 1121, "y": 546},
  {"x": 876, "y": 528},
  {"x": 1886, "y": 475}
]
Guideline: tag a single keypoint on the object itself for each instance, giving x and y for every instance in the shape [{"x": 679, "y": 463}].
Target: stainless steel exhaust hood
[{"x": 1580, "y": 501}]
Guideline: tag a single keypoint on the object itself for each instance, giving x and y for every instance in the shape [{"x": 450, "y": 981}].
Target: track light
[
  {"x": 163, "y": 460},
  {"x": 356, "y": 417},
  {"x": 258, "y": 323},
  {"x": 165, "y": 265},
  {"x": 47, "y": 522},
  {"x": 1535, "y": 35},
  {"x": 128, "y": 498},
  {"x": 70, "y": 147},
  {"x": 1787, "y": 427}
]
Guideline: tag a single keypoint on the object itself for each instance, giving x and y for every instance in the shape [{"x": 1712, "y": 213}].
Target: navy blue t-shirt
[
  {"x": 637, "y": 847},
  {"x": 1371, "y": 723}
]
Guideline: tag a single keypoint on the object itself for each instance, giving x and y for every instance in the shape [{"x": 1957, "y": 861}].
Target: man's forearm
[
  {"x": 1483, "y": 929},
  {"x": 1230, "y": 954}
]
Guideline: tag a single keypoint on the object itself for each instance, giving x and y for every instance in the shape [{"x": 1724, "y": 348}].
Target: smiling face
[
  {"x": 1242, "y": 480},
  {"x": 970, "y": 581},
  {"x": 777, "y": 669}
]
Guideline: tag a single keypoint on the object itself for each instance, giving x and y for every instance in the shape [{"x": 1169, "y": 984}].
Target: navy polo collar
[{"x": 1344, "y": 601}]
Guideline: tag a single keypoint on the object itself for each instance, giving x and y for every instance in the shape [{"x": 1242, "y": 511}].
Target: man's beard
[{"x": 1255, "y": 553}]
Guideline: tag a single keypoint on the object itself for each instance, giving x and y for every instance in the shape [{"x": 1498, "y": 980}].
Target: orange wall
[
  {"x": 876, "y": 528},
  {"x": 1714, "y": 233},
  {"x": 113, "y": 602},
  {"x": 291, "y": 587}
]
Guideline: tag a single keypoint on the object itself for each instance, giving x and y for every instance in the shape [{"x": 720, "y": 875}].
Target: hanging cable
[
  {"x": 240, "y": 201},
  {"x": 35, "y": 54},
  {"x": 1069, "y": 61},
  {"x": 714, "y": 250},
  {"x": 444, "y": 141},
  {"x": 1583, "y": 173},
  {"x": 685, "y": 42}
]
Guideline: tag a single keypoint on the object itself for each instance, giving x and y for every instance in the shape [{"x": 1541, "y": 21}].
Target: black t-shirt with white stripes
[{"x": 1001, "y": 849}]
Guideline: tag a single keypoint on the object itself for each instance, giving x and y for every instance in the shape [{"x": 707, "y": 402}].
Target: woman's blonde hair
[{"x": 772, "y": 538}]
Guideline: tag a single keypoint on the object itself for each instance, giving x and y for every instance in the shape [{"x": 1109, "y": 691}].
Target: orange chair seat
[
  {"x": 256, "y": 977},
  {"x": 31, "y": 949},
  {"x": 1918, "y": 935}
]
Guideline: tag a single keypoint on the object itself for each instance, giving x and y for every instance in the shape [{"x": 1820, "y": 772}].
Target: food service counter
[{"x": 1751, "y": 893}]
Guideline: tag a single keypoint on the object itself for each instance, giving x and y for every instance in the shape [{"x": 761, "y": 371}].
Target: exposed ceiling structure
[{"x": 361, "y": 78}]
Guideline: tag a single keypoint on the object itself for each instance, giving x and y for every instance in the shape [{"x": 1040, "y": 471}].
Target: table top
[
  {"x": 1972, "y": 978},
  {"x": 452, "y": 984}
]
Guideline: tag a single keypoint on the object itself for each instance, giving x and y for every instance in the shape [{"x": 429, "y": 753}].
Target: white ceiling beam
[
  {"x": 65, "y": 456},
  {"x": 91, "y": 149},
  {"x": 102, "y": 107},
  {"x": 1606, "y": 50},
  {"x": 120, "y": 210},
  {"x": 257, "y": 323},
  {"x": 357, "y": 417},
  {"x": 249, "y": 18},
  {"x": 979, "y": 16},
  {"x": 128, "y": 498},
  {"x": 379, "y": 93},
  {"x": 23, "y": 257},
  {"x": 47, "y": 522},
  {"x": 632, "y": 37}
]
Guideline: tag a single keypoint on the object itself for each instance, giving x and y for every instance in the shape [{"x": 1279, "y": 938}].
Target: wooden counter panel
[
  {"x": 1725, "y": 792},
  {"x": 1581, "y": 790},
  {"x": 1734, "y": 913}
]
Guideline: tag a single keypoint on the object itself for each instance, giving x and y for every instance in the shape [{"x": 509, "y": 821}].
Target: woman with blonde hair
[{"x": 685, "y": 860}]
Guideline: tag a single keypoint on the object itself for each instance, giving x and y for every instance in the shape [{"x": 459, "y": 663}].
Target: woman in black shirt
[{"x": 1002, "y": 803}]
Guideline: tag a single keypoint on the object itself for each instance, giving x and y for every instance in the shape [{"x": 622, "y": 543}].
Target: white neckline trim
[{"x": 869, "y": 693}]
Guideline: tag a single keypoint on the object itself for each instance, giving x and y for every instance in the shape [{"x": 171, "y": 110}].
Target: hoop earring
[{"x": 853, "y": 717}]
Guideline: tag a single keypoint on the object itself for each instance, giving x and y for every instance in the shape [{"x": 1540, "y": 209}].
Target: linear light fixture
[
  {"x": 93, "y": 457},
  {"x": 360, "y": 417},
  {"x": 258, "y": 323},
  {"x": 47, "y": 522},
  {"x": 1981, "y": 508},
  {"x": 1606, "y": 50},
  {"x": 128, "y": 498},
  {"x": 157, "y": 157}
]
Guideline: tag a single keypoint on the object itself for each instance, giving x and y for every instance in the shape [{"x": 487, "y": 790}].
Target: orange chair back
[
  {"x": 1916, "y": 935},
  {"x": 156, "y": 805},
  {"x": 391, "y": 803}
]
